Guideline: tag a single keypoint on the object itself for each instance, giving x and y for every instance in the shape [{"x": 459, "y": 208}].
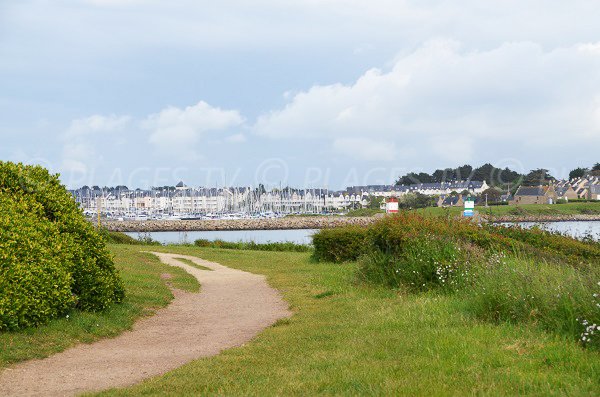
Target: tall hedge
[{"x": 51, "y": 258}]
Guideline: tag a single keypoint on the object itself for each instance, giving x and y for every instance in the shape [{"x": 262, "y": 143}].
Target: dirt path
[{"x": 231, "y": 309}]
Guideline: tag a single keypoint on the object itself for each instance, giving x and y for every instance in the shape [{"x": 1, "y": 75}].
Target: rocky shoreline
[
  {"x": 311, "y": 222},
  {"x": 542, "y": 218}
]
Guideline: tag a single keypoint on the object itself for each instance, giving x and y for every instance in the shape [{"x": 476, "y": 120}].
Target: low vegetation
[
  {"x": 502, "y": 273},
  {"x": 339, "y": 244},
  {"x": 573, "y": 207},
  {"x": 113, "y": 237},
  {"x": 251, "y": 245},
  {"x": 146, "y": 292},
  {"x": 346, "y": 337},
  {"x": 352, "y": 338},
  {"x": 364, "y": 212},
  {"x": 51, "y": 259}
]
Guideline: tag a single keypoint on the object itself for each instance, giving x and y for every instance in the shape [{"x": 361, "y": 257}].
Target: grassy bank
[
  {"x": 590, "y": 208},
  {"x": 502, "y": 274},
  {"x": 252, "y": 246},
  {"x": 347, "y": 337},
  {"x": 146, "y": 292}
]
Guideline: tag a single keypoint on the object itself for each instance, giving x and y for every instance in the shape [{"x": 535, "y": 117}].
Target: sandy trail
[{"x": 231, "y": 309}]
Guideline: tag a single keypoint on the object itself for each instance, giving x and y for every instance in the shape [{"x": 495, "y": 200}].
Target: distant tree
[
  {"x": 413, "y": 178},
  {"x": 506, "y": 176},
  {"x": 484, "y": 173},
  {"x": 493, "y": 195},
  {"x": 577, "y": 173},
  {"x": 450, "y": 174},
  {"x": 495, "y": 176},
  {"x": 538, "y": 177},
  {"x": 375, "y": 202},
  {"x": 491, "y": 175},
  {"x": 464, "y": 172},
  {"x": 465, "y": 193},
  {"x": 596, "y": 167},
  {"x": 416, "y": 200},
  {"x": 440, "y": 176}
]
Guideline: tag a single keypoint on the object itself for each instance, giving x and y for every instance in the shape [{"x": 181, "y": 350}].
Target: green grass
[
  {"x": 112, "y": 237},
  {"x": 589, "y": 208},
  {"x": 251, "y": 245},
  {"x": 353, "y": 339},
  {"x": 552, "y": 297},
  {"x": 146, "y": 292},
  {"x": 193, "y": 264},
  {"x": 364, "y": 212}
]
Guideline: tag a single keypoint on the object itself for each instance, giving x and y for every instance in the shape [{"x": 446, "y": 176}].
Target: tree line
[{"x": 503, "y": 178}]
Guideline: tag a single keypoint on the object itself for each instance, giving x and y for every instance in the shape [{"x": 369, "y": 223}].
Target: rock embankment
[
  {"x": 312, "y": 222},
  {"x": 309, "y": 222},
  {"x": 543, "y": 218}
]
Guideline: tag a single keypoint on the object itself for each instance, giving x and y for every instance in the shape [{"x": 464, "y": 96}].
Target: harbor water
[
  {"x": 579, "y": 229},
  {"x": 298, "y": 236}
]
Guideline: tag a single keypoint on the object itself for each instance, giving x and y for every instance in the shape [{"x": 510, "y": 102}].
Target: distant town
[{"x": 496, "y": 187}]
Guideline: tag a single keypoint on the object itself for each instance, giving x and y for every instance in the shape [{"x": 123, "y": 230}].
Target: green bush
[
  {"x": 118, "y": 238},
  {"x": 419, "y": 253},
  {"x": 339, "y": 244},
  {"x": 426, "y": 263},
  {"x": 49, "y": 248},
  {"x": 34, "y": 285}
]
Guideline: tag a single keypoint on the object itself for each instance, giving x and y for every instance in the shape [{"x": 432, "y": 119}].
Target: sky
[{"x": 307, "y": 93}]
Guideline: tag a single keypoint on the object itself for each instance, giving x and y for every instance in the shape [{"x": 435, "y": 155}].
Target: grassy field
[
  {"x": 353, "y": 339},
  {"x": 145, "y": 293},
  {"x": 522, "y": 210}
]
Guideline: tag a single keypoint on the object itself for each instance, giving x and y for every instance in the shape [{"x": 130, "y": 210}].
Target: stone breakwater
[
  {"x": 320, "y": 222},
  {"x": 312, "y": 222},
  {"x": 543, "y": 218}
]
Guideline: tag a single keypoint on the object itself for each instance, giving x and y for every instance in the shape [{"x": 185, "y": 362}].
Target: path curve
[{"x": 231, "y": 309}]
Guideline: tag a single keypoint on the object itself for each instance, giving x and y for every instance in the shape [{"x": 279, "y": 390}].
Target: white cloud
[
  {"x": 365, "y": 149},
  {"x": 455, "y": 101},
  {"x": 236, "y": 138},
  {"x": 96, "y": 124},
  {"x": 79, "y": 141},
  {"x": 77, "y": 157},
  {"x": 180, "y": 130}
]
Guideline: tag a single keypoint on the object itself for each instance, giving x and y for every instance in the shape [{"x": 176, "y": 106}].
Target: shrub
[
  {"x": 551, "y": 244},
  {"x": 426, "y": 263},
  {"x": 417, "y": 252},
  {"x": 504, "y": 274},
  {"x": 557, "y": 298},
  {"x": 339, "y": 244},
  {"x": 286, "y": 246},
  {"x": 33, "y": 283},
  {"x": 118, "y": 237},
  {"x": 57, "y": 241}
]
